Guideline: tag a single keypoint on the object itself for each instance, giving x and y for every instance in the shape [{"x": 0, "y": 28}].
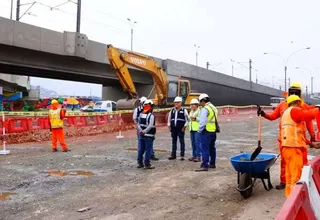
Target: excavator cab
[{"x": 180, "y": 88}]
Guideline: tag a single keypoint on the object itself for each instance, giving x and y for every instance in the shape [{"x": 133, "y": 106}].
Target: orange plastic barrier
[
  {"x": 17, "y": 125},
  {"x": 35, "y": 123},
  {"x": 102, "y": 119},
  {"x": 315, "y": 165},
  {"x": 297, "y": 206},
  {"x": 91, "y": 120},
  {"x": 79, "y": 121}
]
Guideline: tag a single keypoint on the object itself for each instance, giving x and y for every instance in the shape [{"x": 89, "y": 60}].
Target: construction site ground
[{"x": 100, "y": 177}]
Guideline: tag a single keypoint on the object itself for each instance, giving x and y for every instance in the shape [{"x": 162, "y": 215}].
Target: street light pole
[
  {"x": 208, "y": 64},
  {"x": 285, "y": 62},
  {"x": 11, "y": 9},
  {"x": 197, "y": 47},
  {"x": 132, "y": 26},
  {"x": 78, "y": 16},
  {"x": 18, "y": 10}
]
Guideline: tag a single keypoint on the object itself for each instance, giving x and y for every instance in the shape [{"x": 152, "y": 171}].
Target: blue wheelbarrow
[{"x": 249, "y": 171}]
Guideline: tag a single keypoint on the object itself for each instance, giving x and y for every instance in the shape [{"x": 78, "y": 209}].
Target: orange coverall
[
  {"x": 294, "y": 142},
  {"x": 277, "y": 113},
  {"x": 57, "y": 134}
]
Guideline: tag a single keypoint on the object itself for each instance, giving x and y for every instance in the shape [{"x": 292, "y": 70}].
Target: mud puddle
[
  {"x": 155, "y": 149},
  {"x": 71, "y": 173},
  {"x": 6, "y": 195}
]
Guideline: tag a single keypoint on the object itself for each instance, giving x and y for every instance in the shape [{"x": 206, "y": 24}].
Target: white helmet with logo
[
  {"x": 148, "y": 101},
  {"x": 178, "y": 99},
  {"x": 203, "y": 96},
  {"x": 143, "y": 99},
  {"x": 194, "y": 101}
]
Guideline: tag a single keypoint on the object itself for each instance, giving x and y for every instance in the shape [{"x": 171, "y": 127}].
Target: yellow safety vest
[
  {"x": 55, "y": 120},
  {"x": 211, "y": 121},
  {"x": 194, "y": 125}
]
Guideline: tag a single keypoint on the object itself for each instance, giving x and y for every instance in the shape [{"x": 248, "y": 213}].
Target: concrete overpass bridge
[{"x": 33, "y": 51}]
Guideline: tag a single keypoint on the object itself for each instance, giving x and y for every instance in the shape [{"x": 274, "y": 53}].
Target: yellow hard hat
[
  {"x": 54, "y": 101},
  {"x": 295, "y": 85},
  {"x": 293, "y": 98}
]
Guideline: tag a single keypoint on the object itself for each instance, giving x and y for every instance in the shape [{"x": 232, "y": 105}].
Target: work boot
[
  {"x": 281, "y": 186},
  {"x": 202, "y": 169},
  {"x": 212, "y": 166},
  {"x": 148, "y": 167},
  {"x": 172, "y": 157},
  {"x": 154, "y": 158},
  {"x": 140, "y": 165},
  {"x": 191, "y": 159},
  {"x": 196, "y": 160},
  {"x": 66, "y": 150},
  {"x": 54, "y": 150},
  {"x": 181, "y": 158}
]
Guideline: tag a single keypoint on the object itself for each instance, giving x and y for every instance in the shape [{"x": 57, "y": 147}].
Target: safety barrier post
[
  {"x": 120, "y": 136},
  {"x": 251, "y": 112},
  {"x": 4, "y": 151}
]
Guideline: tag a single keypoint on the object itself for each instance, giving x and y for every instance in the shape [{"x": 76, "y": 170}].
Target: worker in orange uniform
[
  {"x": 56, "y": 116},
  {"x": 295, "y": 89},
  {"x": 293, "y": 139}
]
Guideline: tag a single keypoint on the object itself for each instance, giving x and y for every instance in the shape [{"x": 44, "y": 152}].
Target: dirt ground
[{"x": 100, "y": 173}]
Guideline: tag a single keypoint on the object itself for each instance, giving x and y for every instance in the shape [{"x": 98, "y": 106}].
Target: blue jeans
[
  {"x": 175, "y": 134},
  {"x": 145, "y": 147},
  {"x": 138, "y": 136},
  {"x": 208, "y": 148},
  {"x": 195, "y": 143}
]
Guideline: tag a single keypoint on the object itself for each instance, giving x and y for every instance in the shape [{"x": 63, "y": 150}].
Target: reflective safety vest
[
  {"x": 211, "y": 119},
  {"x": 144, "y": 121},
  {"x": 55, "y": 120},
  {"x": 181, "y": 118},
  {"x": 292, "y": 134},
  {"x": 194, "y": 125}
]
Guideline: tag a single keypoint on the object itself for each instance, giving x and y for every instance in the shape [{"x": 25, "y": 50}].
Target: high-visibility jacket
[
  {"x": 144, "y": 121},
  {"x": 292, "y": 133},
  {"x": 211, "y": 119},
  {"x": 55, "y": 119},
  {"x": 194, "y": 125}
]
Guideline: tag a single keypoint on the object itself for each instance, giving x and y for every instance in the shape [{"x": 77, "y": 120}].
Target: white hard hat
[
  {"x": 202, "y": 96},
  {"x": 194, "y": 101},
  {"x": 148, "y": 101},
  {"x": 143, "y": 99},
  {"x": 178, "y": 99}
]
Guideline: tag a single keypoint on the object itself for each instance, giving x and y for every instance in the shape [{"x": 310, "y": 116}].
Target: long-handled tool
[{"x": 257, "y": 151}]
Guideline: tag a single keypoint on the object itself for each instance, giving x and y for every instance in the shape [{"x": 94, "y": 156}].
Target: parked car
[{"x": 105, "y": 106}]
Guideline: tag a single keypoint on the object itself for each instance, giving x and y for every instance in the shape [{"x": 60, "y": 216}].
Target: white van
[{"x": 105, "y": 106}]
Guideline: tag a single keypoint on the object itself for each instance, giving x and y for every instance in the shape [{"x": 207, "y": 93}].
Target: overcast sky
[{"x": 224, "y": 30}]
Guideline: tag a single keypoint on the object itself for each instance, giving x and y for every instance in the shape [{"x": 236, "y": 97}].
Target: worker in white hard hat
[
  {"x": 147, "y": 131},
  {"x": 208, "y": 126},
  {"x": 177, "y": 123},
  {"x": 193, "y": 128},
  {"x": 135, "y": 117}
]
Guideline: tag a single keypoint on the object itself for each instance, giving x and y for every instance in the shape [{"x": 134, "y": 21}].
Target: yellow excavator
[{"x": 165, "y": 90}]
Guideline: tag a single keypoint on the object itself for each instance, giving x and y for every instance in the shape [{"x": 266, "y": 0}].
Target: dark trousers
[
  {"x": 175, "y": 134},
  {"x": 195, "y": 143},
  {"x": 145, "y": 147},
  {"x": 208, "y": 148},
  {"x": 138, "y": 136}
]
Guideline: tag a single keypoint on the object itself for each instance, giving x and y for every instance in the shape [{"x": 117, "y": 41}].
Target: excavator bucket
[{"x": 125, "y": 104}]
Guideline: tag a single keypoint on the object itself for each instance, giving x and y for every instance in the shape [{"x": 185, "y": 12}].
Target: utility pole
[
  {"x": 197, "y": 47},
  {"x": 132, "y": 25},
  {"x": 250, "y": 73},
  {"x": 289, "y": 83},
  {"x": 78, "y": 16},
  {"x": 11, "y": 9},
  {"x": 208, "y": 64},
  {"x": 312, "y": 85},
  {"x": 18, "y": 10}
]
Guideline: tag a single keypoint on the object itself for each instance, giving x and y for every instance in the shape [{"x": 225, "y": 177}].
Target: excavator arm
[
  {"x": 122, "y": 71},
  {"x": 119, "y": 60}
]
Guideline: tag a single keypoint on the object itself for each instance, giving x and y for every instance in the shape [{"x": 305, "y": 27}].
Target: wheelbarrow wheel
[{"x": 245, "y": 185}]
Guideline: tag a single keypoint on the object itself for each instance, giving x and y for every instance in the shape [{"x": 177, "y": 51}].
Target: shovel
[{"x": 257, "y": 151}]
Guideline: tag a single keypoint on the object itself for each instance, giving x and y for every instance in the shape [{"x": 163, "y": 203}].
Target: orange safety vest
[
  {"x": 55, "y": 120},
  {"x": 292, "y": 134}
]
